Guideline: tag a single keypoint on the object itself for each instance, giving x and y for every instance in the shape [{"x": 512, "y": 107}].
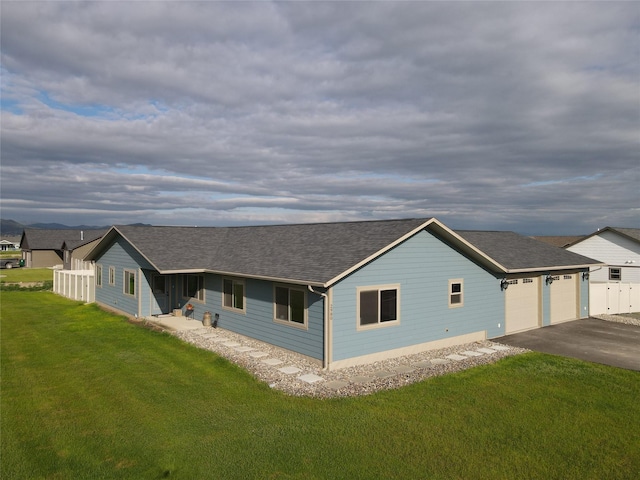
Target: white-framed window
[
  {"x": 290, "y": 305},
  {"x": 193, "y": 287},
  {"x": 112, "y": 275},
  {"x": 378, "y": 305},
  {"x": 130, "y": 282},
  {"x": 98, "y": 275},
  {"x": 456, "y": 293},
  {"x": 615, "y": 273},
  {"x": 233, "y": 296}
]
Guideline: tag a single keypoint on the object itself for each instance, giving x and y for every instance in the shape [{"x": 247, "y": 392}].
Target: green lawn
[
  {"x": 85, "y": 394},
  {"x": 12, "y": 275}
]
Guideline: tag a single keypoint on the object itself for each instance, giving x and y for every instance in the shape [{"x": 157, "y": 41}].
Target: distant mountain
[
  {"x": 59, "y": 226},
  {"x": 11, "y": 228}
]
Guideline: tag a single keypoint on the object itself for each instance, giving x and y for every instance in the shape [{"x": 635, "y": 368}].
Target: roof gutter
[{"x": 327, "y": 336}]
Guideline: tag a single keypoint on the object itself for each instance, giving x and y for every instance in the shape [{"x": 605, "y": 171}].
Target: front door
[{"x": 160, "y": 302}]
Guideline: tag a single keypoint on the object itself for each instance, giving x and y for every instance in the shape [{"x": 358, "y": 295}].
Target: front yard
[{"x": 85, "y": 394}]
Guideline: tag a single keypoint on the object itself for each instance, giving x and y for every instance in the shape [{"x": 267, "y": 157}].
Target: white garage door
[
  {"x": 564, "y": 298},
  {"x": 522, "y": 307}
]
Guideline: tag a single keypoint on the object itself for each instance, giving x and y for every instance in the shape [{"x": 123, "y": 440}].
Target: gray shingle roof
[
  {"x": 517, "y": 252},
  {"x": 633, "y": 233},
  {"x": 311, "y": 253},
  {"x": 630, "y": 233},
  {"x": 321, "y": 253},
  {"x": 54, "y": 239}
]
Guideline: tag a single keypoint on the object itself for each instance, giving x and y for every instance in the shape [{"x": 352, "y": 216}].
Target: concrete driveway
[{"x": 593, "y": 340}]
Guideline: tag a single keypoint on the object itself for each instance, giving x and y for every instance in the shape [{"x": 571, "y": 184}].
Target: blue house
[{"x": 345, "y": 293}]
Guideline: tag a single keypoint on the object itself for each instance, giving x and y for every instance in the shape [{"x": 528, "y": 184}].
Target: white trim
[
  {"x": 453, "y": 281},
  {"x": 379, "y": 252},
  {"x": 410, "y": 350},
  {"x": 195, "y": 299},
  {"x": 235, "y": 280},
  {"x": 291, "y": 323},
  {"x": 379, "y": 324},
  {"x": 125, "y": 284}
]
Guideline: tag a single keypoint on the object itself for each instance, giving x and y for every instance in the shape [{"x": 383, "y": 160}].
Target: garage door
[
  {"x": 522, "y": 304},
  {"x": 564, "y": 298}
]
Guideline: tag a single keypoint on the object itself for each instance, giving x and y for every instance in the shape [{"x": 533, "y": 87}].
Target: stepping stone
[
  {"x": 500, "y": 347},
  {"x": 402, "y": 369},
  {"x": 470, "y": 353},
  {"x": 244, "y": 349},
  {"x": 486, "y": 350},
  {"x": 220, "y": 339},
  {"x": 457, "y": 357},
  {"x": 272, "y": 361},
  {"x": 425, "y": 364},
  {"x": 439, "y": 361},
  {"x": 336, "y": 384},
  {"x": 384, "y": 374},
  {"x": 231, "y": 344},
  {"x": 289, "y": 370},
  {"x": 259, "y": 354},
  {"x": 310, "y": 378},
  {"x": 360, "y": 379}
]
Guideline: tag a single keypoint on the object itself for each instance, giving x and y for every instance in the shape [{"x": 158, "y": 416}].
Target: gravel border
[
  {"x": 345, "y": 382},
  {"x": 620, "y": 318}
]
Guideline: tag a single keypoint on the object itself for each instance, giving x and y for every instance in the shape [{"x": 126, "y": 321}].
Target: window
[
  {"x": 615, "y": 273},
  {"x": 290, "y": 305},
  {"x": 455, "y": 294},
  {"x": 112, "y": 276},
  {"x": 130, "y": 282},
  {"x": 378, "y": 305},
  {"x": 233, "y": 294},
  {"x": 98, "y": 275},
  {"x": 193, "y": 287}
]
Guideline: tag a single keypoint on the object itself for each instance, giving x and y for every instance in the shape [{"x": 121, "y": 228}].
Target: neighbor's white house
[{"x": 614, "y": 287}]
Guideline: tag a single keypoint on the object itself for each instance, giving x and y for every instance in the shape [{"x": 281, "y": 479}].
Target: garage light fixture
[
  {"x": 585, "y": 275},
  {"x": 549, "y": 280},
  {"x": 504, "y": 284}
]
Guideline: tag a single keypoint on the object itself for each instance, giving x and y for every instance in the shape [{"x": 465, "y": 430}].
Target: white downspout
[{"x": 325, "y": 361}]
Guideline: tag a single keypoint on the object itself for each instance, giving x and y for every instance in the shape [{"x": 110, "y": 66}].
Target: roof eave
[
  {"x": 297, "y": 281},
  {"x": 468, "y": 248},
  {"x": 553, "y": 268},
  {"x": 355, "y": 267}
]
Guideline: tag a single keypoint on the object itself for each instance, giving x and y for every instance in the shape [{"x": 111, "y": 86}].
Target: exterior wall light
[
  {"x": 585, "y": 275},
  {"x": 549, "y": 280},
  {"x": 504, "y": 284}
]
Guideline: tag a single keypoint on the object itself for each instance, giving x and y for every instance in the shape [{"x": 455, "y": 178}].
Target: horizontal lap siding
[
  {"x": 123, "y": 257},
  {"x": 258, "y": 320},
  {"x": 422, "y": 266}
]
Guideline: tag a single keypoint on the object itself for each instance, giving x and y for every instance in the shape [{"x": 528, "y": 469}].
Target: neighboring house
[
  {"x": 344, "y": 293},
  {"x": 8, "y": 245},
  {"x": 64, "y": 250},
  {"x": 42, "y": 248},
  {"x": 559, "y": 240},
  {"x": 614, "y": 287},
  {"x": 76, "y": 279}
]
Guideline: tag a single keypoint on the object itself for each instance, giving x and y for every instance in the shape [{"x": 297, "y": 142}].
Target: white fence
[
  {"x": 614, "y": 297},
  {"x": 75, "y": 284}
]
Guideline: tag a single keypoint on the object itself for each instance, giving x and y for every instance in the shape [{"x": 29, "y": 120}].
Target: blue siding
[
  {"x": 257, "y": 321},
  {"x": 422, "y": 266},
  {"x": 123, "y": 257},
  {"x": 584, "y": 295}
]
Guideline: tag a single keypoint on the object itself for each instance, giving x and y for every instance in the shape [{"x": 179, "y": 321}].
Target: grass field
[
  {"x": 12, "y": 275},
  {"x": 85, "y": 394}
]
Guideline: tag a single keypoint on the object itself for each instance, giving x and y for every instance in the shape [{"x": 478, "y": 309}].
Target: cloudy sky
[{"x": 510, "y": 116}]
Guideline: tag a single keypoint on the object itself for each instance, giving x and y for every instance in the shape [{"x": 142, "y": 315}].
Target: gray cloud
[{"x": 486, "y": 115}]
